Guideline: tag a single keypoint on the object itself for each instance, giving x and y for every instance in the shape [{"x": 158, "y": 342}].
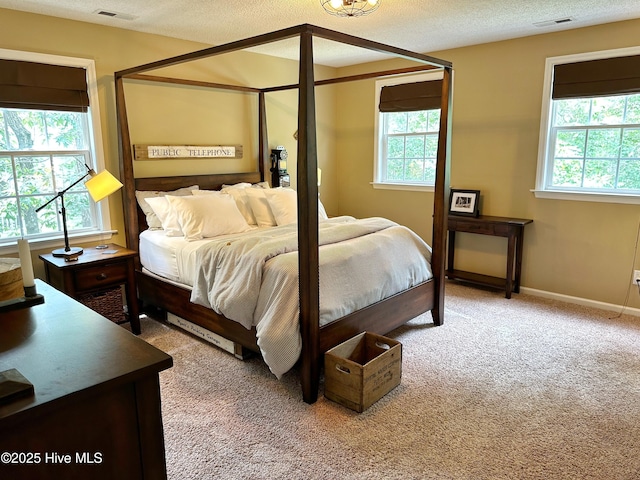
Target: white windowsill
[
  {"x": 402, "y": 186},
  {"x": 588, "y": 197},
  {"x": 57, "y": 242}
]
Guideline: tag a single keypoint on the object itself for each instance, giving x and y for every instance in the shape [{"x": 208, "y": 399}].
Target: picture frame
[{"x": 464, "y": 202}]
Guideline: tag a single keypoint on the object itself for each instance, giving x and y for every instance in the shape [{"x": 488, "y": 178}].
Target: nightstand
[{"x": 97, "y": 275}]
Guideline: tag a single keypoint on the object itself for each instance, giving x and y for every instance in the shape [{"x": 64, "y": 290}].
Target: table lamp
[{"x": 99, "y": 186}]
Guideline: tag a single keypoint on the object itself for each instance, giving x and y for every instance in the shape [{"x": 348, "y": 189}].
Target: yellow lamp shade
[{"x": 102, "y": 185}]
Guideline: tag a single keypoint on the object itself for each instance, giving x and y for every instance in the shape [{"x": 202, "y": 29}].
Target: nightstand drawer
[{"x": 96, "y": 277}]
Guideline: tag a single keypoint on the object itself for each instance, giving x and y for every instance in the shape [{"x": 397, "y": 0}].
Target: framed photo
[{"x": 464, "y": 202}]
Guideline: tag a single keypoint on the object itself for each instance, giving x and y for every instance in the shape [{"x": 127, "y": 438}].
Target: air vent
[
  {"x": 121, "y": 16},
  {"x": 558, "y": 21}
]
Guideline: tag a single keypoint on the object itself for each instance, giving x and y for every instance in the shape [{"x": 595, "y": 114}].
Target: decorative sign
[{"x": 156, "y": 152}]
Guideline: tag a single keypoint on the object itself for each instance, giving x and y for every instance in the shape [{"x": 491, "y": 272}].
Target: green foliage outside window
[
  {"x": 596, "y": 144},
  {"x": 42, "y": 153},
  {"x": 411, "y": 145}
]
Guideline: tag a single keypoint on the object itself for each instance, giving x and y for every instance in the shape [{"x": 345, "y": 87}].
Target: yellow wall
[
  {"x": 574, "y": 248},
  {"x": 580, "y": 249}
]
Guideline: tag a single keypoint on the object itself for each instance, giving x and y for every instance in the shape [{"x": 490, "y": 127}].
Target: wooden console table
[
  {"x": 512, "y": 228},
  {"x": 95, "y": 412}
]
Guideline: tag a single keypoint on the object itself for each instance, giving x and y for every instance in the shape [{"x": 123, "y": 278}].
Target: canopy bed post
[
  {"x": 264, "y": 162},
  {"x": 308, "y": 258},
  {"x": 126, "y": 167},
  {"x": 441, "y": 196}
]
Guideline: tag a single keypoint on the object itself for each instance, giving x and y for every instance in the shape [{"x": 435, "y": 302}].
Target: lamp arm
[{"x": 62, "y": 192}]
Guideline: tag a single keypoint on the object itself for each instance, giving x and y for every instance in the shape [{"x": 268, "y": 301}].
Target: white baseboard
[{"x": 581, "y": 301}]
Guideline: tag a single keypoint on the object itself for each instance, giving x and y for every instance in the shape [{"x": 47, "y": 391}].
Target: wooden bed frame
[{"x": 381, "y": 317}]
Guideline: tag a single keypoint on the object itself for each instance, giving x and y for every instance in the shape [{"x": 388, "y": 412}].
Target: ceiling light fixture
[{"x": 350, "y": 8}]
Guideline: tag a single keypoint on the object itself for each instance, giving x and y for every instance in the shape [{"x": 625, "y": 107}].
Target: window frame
[
  {"x": 103, "y": 217},
  {"x": 543, "y": 167},
  {"x": 378, "y": 149}
]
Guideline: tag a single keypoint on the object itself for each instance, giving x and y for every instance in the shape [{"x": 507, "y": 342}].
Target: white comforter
[{"x": 253, "y": 278}]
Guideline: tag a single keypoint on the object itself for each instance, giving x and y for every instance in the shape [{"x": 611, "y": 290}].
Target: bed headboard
[{"x": 205, "y": 182}]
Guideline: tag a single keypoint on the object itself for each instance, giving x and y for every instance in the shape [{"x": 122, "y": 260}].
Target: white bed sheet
[{"x": 171, "y": 257}]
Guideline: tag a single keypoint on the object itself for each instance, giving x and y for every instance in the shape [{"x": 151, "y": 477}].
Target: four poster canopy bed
[{"x": 309, "y": 242}]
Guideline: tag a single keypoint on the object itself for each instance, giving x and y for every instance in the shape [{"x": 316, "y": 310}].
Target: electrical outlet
[{"x": 636, "y": 277}]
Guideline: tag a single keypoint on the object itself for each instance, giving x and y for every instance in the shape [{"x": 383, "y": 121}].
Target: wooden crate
[
  {"x": 10, "y": 279},
  {"x": 360, "y": 371}
]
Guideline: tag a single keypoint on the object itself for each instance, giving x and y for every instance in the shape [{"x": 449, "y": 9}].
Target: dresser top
[{"x": 62, "y": 347}]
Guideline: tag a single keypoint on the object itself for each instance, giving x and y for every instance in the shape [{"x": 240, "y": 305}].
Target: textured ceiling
[{"x": 418, "y": 25}]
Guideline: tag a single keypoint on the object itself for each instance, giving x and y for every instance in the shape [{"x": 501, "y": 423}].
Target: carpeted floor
[{"x": 525, "y": 388}]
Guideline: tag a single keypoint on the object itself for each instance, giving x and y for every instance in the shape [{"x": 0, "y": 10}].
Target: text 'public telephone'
[{"x": 279, "y": 175}]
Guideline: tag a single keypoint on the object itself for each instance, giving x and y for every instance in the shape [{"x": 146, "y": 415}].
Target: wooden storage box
[
  {"x": 362, "y": 370},
  {"x": 10, "y": 279}
]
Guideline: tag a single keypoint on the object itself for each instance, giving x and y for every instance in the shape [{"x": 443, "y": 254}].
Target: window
[
  {"x": 407, "y": 127},
  {"x": 46, "y": 144},
  {"x": 590, "y": 132},
  {"x": 595, "y": 144}
]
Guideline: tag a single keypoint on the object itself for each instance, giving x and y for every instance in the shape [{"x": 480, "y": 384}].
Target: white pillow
[
  {"x": 284, "y": 205},
  {"x": 153, "y": 222},
  {"x": 260, "y": 206},
  {"x": 247, "y": 185},
  {"x": 322, "y": 213},
  {"x": 204, "y": 216},
  {"x": 236, "y": 185},
  {"x": 242, "y": 202},
  {"x": 166, "y": 215}
]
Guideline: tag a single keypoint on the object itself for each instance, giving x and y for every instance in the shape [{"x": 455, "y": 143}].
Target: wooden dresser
[{"x": 96, "y": 408}]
